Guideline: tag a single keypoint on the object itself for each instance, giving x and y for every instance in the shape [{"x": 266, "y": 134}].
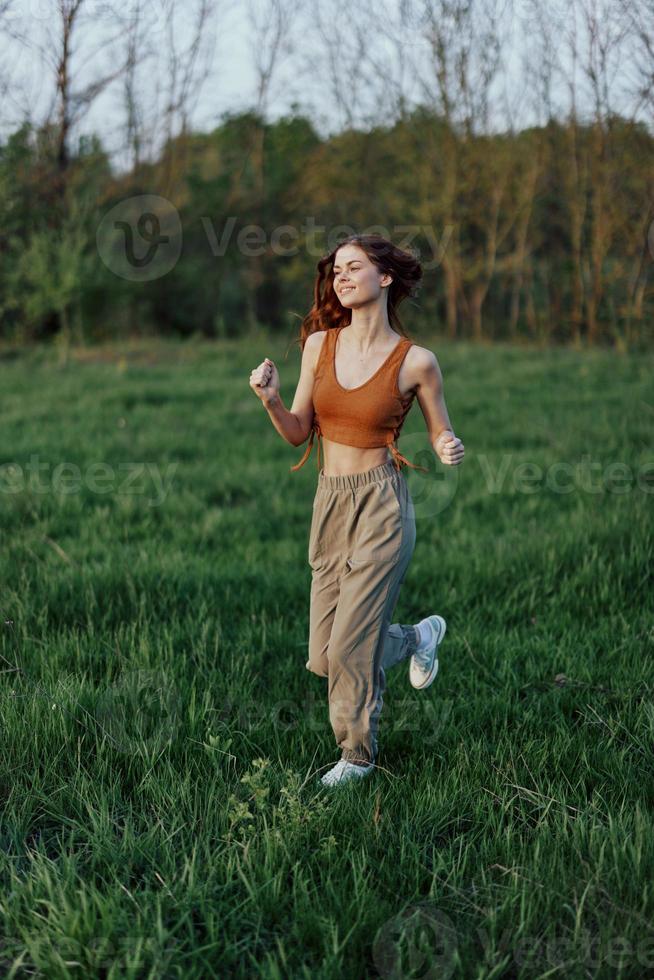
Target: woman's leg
[
  {"x": 381, "y": 539},
  {"x": 400, "y": 642},
  {"x": 325, "y": 588},
  {"x": 326, "y": 546}
]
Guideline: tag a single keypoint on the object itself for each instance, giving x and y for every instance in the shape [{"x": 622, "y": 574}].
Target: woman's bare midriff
[{"x": 340, "y": 460}]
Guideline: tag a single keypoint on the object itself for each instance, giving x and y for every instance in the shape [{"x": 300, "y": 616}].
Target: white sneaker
[
  {"x": 344, "y": 771},
  {"x": 423, "y": 665}
]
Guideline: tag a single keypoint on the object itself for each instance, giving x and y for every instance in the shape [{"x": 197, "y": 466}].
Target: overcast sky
[{"x": 302, "y": 74}]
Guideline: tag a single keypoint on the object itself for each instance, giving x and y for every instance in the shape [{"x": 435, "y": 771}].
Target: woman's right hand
[{"x": 264, "y": 380}]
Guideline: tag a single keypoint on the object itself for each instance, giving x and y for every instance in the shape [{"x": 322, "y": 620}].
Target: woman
[{"x": 359, "y": 376}]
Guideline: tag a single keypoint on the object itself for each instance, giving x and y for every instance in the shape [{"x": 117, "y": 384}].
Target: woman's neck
[{"x": 367, "y": 333}]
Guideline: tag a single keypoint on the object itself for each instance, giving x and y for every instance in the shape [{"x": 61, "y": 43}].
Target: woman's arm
[
  {"x": 295, "y": 425},
  {"x": 429, "y": 383}
]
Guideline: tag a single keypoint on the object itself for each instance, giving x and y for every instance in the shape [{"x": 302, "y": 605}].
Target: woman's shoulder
[
  {"x": 315, "y": 344},
  {"x": 418, "y": 364},
  {"x": 420, "y": 357},
  {"x": 316, "y": 337}
]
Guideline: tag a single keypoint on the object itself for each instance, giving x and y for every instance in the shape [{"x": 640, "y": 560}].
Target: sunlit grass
[{"x": 162, "y": 739}]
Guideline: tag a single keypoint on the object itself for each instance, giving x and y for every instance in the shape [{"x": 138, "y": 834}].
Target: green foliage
[
  {"x": 48, "y": 241},
  {"x": 542, "y": 235}
]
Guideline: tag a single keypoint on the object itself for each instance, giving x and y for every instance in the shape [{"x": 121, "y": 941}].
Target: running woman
[{"x": 360, "y": 374}]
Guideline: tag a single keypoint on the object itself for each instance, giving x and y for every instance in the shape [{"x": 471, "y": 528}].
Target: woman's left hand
[{"x": 449, "y": 448}]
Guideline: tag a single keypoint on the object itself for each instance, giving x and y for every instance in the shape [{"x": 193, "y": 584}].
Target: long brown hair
[{"x": 327, "y": 312}]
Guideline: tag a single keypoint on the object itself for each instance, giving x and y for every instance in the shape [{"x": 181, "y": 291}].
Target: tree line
[{"x": 541, "y": 232}]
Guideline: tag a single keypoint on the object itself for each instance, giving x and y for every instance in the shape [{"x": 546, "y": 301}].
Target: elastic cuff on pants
[
  {"x": 412, "y": 639},
  {"x": 350, "y": 756}
]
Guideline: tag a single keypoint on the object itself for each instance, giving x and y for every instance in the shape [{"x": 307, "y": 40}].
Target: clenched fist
[
  {"x": 450, "y": 449},
  {"x": 264, "y": 380}
]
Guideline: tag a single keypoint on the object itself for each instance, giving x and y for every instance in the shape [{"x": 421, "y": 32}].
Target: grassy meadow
[{"x": 162, "y": 740}]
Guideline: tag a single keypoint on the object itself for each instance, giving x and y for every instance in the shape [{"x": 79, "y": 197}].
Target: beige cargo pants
[{"x": 362, "y": 537}]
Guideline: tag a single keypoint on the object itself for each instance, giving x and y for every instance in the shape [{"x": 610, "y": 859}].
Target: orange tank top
[{"x": 370, "y": 415}]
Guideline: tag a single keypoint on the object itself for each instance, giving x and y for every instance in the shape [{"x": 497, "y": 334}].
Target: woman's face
[{"x": 357, "y": 279}]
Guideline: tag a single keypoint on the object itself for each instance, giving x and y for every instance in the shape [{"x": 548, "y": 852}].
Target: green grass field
[{"x": 162, "y": 739}]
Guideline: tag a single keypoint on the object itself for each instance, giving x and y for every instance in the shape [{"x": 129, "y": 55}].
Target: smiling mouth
[{"x": 347, "y": 289}]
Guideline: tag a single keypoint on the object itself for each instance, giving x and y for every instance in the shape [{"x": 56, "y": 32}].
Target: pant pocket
[
  {"x": 378, "y": 524},
  {"x": 315, "y": 554}
]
